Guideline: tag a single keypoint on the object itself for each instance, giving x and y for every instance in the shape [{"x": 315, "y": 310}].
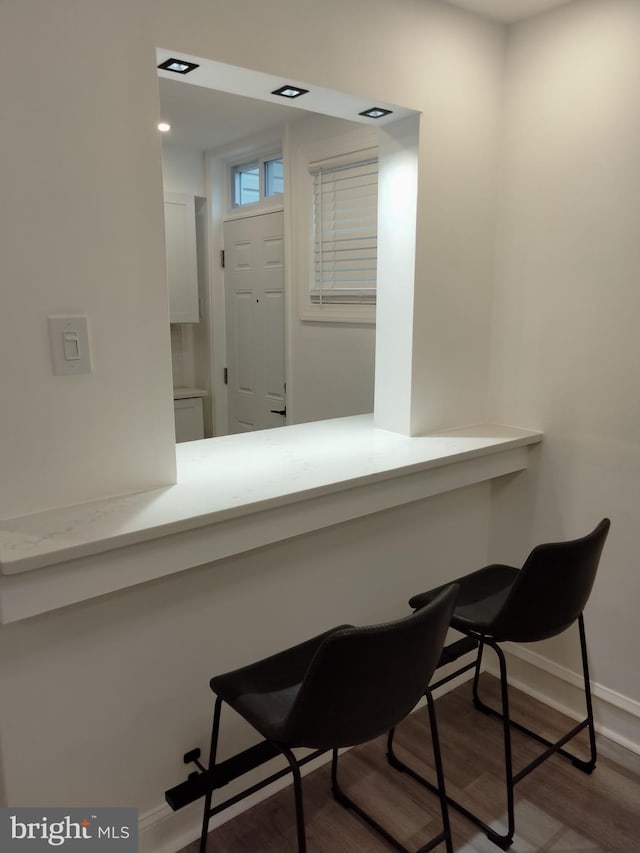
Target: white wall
[
  {"x": 460, "y": 135},
  {"x": 333, "y": 370},
  {"x": 82, "y": 233},
  {"x": 566, "y": 344},
  {"x": 330, "y": 365},
  {"x": 183, "y": 170},
  {"x": 85, "y": 178}
]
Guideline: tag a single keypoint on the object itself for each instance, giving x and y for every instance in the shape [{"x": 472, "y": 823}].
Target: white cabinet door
[
  {"x": 254, "y": 299},
  {"x": 182, "y": 263},
  {"x": 188, "y": 418}
]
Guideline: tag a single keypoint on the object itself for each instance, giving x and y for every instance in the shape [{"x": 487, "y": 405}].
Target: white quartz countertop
[
  {"x": 239, "y": 475},
  {"x": 183, "y": 392}
]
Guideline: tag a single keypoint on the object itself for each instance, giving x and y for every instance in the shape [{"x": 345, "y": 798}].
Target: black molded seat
[
  {"x": 502, "y": 603},
  {"x": 342, "y": 688}
]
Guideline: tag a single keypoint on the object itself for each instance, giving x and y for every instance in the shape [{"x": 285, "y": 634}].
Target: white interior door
[{"x": 254, "y": 298}]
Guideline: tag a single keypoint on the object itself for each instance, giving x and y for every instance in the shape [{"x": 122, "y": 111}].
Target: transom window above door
[{"x": 256, "y": 181}]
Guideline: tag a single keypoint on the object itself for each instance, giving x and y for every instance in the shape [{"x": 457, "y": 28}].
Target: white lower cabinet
[{"x": 189, "y": 419}]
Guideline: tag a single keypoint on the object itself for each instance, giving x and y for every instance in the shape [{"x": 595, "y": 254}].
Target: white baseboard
[
  {"x": 163, "y": 831},
  {"x": 617, "y": 717}
]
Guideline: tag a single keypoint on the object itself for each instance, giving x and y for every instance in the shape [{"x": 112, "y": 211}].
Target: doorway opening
[{"x": 327, "y": 361}]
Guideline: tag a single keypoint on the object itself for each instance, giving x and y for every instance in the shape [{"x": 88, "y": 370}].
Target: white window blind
[{"x": 345, "y": 224}]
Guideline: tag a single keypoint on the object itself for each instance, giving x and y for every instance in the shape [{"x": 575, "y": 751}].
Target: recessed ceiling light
[
  {"x": 290, "y": 91},
  {"x": 164, "y": 126},
  {"x": 375, "y": 112},
  {"x": 180, "y": 66}
]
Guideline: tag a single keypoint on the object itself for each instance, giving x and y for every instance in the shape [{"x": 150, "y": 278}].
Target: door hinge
[
  {"x": 222, "y": 258},
  {"x": 226, "y": 375}
]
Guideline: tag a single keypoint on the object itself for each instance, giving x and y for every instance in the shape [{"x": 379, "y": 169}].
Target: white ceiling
[
  {"x": 203, "y": 118},
  {"x": 220, "y": 104},
  {"x": 508, "y": 10}
]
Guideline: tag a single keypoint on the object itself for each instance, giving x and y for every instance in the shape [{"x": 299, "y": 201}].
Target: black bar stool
[
  {"x": 501, "y": 603},
  {"x": 342, "y": 688}
]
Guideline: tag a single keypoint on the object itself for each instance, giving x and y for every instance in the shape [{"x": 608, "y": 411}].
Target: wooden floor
[{"x": 558, "y": 808}]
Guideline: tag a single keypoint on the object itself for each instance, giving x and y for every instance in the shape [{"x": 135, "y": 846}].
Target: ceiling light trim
[
  {"x": 290, "y": 91},
  {"x": 375, "y": 112},
  {"x": 178, "y": 66}
]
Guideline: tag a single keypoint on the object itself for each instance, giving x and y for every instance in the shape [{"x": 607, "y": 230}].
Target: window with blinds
[{"x": 345, "y": 224}]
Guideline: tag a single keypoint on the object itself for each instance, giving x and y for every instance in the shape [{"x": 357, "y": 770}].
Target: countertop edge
[{"x": 13, "y": 563}]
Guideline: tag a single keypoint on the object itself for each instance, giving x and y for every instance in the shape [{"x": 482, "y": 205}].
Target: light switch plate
[{"x": 73, "y": 357}]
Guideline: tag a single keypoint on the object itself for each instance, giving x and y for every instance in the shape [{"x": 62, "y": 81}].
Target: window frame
[
  {"x": 265, "y": 175},
  {"x": 237, "y": 170},
  {"x": 260, "y": 161}
]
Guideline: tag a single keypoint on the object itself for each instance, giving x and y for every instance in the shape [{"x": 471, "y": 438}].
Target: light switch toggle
[
  {"x": 69, "y": 339},
  {"x": 71, "y": 346}
]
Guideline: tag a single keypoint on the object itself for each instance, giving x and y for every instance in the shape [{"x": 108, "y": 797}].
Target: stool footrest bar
[
  {"x": 242, "y": 763},
  {"x": 197, "y": 784},
  {"x": 455, "y": 650}
]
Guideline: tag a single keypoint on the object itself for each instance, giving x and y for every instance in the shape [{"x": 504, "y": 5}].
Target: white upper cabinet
[{"x": 182, "y": 265}]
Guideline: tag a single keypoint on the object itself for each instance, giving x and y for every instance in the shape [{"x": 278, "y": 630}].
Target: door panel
[
  {"x": 243, "y": 313},
  {"x": 273, "y": 249},
  {"x": 254, "y": 296},
  {"x": 273, "y": 328}
]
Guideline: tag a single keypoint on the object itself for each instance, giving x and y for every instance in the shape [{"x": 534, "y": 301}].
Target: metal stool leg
[
  {"x": 503, "y": 841},
  {"x": 347, "y": 803},
  {"x": 437, "y": 756},
  {"x": 297, "y": 793},
  {"x": 477, "y": 702},
  {"x": 212, "y": 760},
  {"x": 587, "y": 766}
]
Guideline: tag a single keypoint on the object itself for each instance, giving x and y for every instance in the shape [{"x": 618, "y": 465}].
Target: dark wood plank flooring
[{"x": 558, "y": 808}]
